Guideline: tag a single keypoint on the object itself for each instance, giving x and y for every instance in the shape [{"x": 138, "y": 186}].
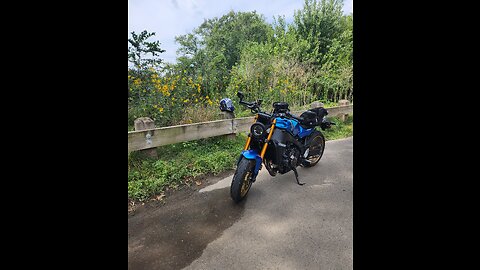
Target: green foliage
[
  {"x": 143, "y": 69},
  {"x": 307, "y": 60},
  {"x": 287, "y": 43},
  {"x": 340, "y": 130},
  {"x": 179, "y": 163},
  {"x": 272, "y": 77},
  {"x": 212, "y": 49},
  {"x": 300, "y": 62},
  {"x": 319, "y": 23},
  {"x": 336, "y": 74},
  {"x": 139, "y": 47},
  {"x": 164, "y": 98}
]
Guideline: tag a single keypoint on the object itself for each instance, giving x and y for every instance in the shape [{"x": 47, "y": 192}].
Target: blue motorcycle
[{"x": 279, "y": 140}]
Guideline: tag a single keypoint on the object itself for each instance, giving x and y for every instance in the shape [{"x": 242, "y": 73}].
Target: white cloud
[
  {"x": 170, "y": 18},
  {"x": 347, "y": 6}
]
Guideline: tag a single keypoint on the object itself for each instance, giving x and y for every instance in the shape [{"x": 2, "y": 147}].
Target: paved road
[{"x": 280, "y": 226}]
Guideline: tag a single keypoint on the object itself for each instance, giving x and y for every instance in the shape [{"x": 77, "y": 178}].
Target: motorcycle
[{"x": 279, "y": 140}]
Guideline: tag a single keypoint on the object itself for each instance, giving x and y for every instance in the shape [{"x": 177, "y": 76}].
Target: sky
[{"x": 170, "y": 18}]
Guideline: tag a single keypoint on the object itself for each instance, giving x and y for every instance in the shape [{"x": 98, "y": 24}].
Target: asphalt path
[{"x": 280, "y": 225}]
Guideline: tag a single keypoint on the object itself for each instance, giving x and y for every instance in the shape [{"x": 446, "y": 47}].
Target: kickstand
[{"x": 296, "y": 176}]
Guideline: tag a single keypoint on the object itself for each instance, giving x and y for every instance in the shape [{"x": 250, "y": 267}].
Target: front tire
[
  {"x": 317, "y": 143},
  {"x": 241, "y": 181}
]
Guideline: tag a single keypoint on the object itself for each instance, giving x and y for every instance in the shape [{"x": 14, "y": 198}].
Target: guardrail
[{"x": 151, "y": 138}]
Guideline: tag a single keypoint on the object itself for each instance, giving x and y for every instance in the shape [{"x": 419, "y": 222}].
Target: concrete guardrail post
[
  {"x": 343, "y": 102},
  {"x": 228, "y": 115},
  {"x": 316, "y": 104},
  {"x": 144, "y": 123}
]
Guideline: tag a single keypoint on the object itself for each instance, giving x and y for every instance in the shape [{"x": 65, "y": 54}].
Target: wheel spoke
[
  {"x": 316, "y": 145},
  {"x": 245, "y": 184}
]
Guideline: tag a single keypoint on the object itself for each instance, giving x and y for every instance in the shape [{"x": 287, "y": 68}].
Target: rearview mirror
[{"x": 240, "y": 95}]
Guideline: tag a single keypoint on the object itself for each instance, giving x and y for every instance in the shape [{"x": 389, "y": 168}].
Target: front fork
[{"x": 253, "y": 154}]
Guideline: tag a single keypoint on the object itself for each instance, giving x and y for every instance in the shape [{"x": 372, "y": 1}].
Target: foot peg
[{"x": 296, "y": 176}]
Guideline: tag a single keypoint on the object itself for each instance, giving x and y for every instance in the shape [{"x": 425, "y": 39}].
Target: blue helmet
[{"x": 226, "y": 104}]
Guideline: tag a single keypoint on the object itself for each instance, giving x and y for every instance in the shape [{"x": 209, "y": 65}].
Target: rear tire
[
  {"x": 241, "y": 182},
  {"x": 317, "y": 141}
]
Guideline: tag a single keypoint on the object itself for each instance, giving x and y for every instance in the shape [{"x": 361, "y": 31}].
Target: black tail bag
[{"x": 313, "y": 117}]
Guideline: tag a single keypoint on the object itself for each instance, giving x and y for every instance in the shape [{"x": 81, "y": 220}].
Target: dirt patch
[
  {"x": 171, "y": 233},
  {"x": 193, "y": 184}
]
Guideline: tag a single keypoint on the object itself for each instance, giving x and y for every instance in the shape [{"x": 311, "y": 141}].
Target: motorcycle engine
[{"x": 290, "y": 158}]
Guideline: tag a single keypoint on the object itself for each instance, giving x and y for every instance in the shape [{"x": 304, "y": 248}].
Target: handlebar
[
  {"x": 253, "y": 106},
  {"x": 249, "y": 104}
]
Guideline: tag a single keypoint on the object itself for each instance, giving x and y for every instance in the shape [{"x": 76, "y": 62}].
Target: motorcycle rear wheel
[{"x": 317, "y": 144}]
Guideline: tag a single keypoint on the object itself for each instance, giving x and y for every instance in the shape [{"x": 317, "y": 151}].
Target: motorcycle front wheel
[{"x": 241, "y": 182}]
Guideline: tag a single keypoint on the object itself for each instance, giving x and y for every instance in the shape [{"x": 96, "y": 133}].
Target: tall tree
[
  {"x": 212, "y": 49},
  {"x": 139, "y": 48},
  {"x": 319, "y": 23}
]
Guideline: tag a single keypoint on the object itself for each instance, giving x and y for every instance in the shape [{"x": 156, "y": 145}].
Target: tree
[
  {"x": 140, "y": 47},
  {"x": 336, "y": 74},
  {"x": 319, "y": 23},
  {"x": 286, "y": 43},
  {"x": 212, "y": 49},
  {"x": 144, "y": 56},
  {"x": 263, "y": 73}
]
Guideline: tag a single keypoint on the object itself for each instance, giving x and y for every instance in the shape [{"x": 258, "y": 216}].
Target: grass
[
  {"x": 340, "y": 130},
  {"x": 181, "y": 163}
]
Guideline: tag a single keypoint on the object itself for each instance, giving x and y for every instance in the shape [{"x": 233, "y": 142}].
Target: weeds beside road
[{"x": 183, "y": 163}]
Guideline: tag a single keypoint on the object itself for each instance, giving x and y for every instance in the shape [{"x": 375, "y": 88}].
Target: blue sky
[{"x": 170, "y": 18}]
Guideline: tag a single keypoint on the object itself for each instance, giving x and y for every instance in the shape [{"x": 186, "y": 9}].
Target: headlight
[{"x": 257, "y": 130}]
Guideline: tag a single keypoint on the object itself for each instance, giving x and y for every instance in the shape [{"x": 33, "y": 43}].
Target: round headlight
[{"x": 257, "y": 130}]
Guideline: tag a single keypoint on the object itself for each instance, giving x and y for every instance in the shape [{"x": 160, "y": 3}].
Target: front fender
[{"x": 253, "y": 154}]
